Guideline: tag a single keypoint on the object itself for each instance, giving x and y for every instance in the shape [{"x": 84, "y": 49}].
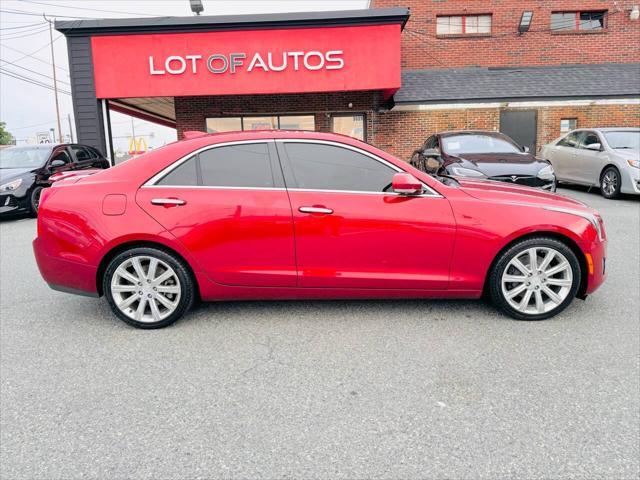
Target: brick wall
[
  {"x": 617, "y": 43},
  {"x": 400, "y": 132},
  {"x": 191, "y": 112}
]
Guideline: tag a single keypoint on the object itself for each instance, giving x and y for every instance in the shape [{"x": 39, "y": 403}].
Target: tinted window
[
  {"x": 589, "y": 139},
  {"x": 81, "y": 153},
  {"x": 327, "y": 167},
  {"x": 185, "y": 175},
  {"x": 570, "y": 140},
  {"x": 245, "y": 165}
]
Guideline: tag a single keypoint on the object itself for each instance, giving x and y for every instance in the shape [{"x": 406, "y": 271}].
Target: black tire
[
  {"x": 610, "y": 174},
  {"x": 495, "y": 276},
  {"x": 186, "y": 285},
  {"x": 35, "y": 200}
]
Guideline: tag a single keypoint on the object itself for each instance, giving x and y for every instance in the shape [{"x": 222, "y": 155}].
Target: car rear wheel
[
  {"x": 148, "y": 287},
  {"x": 535, "y": 279},
  {"x": 610, "y": 183}
]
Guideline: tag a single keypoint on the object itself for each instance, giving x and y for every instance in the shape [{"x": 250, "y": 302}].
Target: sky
[{"x": 25, "y": 51}]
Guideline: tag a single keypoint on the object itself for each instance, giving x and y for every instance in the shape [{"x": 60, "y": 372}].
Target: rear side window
[
  {"x": 185, "y": 175},
  {"x": 328, "y": 167},
  {"x": 244, "y": 165}
]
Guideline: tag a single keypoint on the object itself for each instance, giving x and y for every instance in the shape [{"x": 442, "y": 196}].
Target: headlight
[
  {"x": 588, "y": 216},
  {"x": 11, "y": 186},
  {"x": 634, "y": 163},
  {"x": 547, "y": 173},
  {"x": 466, "y": 172}
]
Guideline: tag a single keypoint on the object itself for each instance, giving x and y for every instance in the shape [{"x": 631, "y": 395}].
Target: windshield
[
  {"x": 460, "y": 144},
  {"x": 624, "y": 139},
  {"x": 23, "y": 157}
]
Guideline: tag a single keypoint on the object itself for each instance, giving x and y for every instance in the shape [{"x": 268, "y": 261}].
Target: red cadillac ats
[{"x": 291, "y": 215}]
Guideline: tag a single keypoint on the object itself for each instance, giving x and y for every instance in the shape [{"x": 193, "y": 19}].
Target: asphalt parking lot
[{"x": 337, "y": 389}]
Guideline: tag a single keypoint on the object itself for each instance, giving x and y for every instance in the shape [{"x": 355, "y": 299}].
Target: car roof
[{"x": 491, "y": 133}]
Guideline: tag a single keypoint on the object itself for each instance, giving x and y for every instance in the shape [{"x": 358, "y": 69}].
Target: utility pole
[
  {"x": 133, "y": 136},
  {"x": 70, "y": 128},
  {"x": 55, "y": 82}
]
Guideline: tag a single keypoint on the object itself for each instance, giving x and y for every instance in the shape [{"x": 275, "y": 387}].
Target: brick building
[{"x": 391, "y": 75}]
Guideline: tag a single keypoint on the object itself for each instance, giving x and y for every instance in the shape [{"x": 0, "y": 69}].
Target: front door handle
[
  {"x": 324, "y": 210},
  {"x": 168, "y": 202}
]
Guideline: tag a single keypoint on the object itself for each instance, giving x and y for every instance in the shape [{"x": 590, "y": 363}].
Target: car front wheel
[
  {"x": 535, "y": 279},
  {"x": 35, "y": 200},
  {"x": 610, "y": 183},
  {"x": 148, "y": 287}
]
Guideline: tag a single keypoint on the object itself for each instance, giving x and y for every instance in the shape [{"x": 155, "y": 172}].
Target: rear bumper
[{"x": 65, "y": 275}]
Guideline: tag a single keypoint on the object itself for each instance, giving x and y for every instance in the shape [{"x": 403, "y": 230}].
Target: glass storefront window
[
  {"x": 351, "y": 125},
  {"x": 282, "y": 122}
]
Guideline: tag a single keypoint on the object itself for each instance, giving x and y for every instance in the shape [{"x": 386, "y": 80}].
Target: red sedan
[{"x": 291, "y": 215}]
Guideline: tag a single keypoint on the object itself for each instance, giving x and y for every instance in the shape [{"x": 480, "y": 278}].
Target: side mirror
[
  {"x": 594, "y": 146},
  {"x": 406, "y": 184},
  {"x": 525, "y": 149},
  {"x": 56, "y": 164},
  {"x": 430, "y": 152}
]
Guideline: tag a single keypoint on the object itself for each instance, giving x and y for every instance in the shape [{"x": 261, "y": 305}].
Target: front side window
[
  {"x": 243, "y": 165},
  {"x": 82, "y": 154},
  {"x": 463, "y": 25},
  {"x": 460, "y": 144},
  {"x": 571, "y": 21},
  {"x": 589, "y": 138},
  {"x": 328, "y": 167}
]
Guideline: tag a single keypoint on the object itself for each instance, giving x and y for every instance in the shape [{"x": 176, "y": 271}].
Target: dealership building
[{"x": 391, "y": 75}]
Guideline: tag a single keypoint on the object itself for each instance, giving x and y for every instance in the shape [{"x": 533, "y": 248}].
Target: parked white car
[{"x": 604, "y": 157}]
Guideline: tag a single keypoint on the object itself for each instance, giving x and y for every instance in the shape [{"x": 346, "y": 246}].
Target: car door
[
  {"x": 228, "y": 207},
  {"x": 589, "y": 162},
  {"x": 352, "y": 232},
  {"x": 562, "y": 155}
]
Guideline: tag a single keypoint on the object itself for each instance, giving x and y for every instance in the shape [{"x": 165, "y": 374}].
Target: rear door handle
[
  {"x": 168, "y": 202},
  {"x": 324, "y": 210}
]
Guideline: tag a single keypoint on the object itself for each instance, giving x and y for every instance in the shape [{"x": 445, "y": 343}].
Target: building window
[
  {"x": 464, "y": 25},
  {"x": 349, "y": 124},
  {"x": 267, "y": 122},
  {"x": 568, "y": 124},
  {"x": 578, "y": 21}
]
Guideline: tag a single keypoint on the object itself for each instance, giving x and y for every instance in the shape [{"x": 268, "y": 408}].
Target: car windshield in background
[
  {"x": 459, "y": 144},
  {"x": 23, "y": 157},
  {"x": 624, "y": 139}
]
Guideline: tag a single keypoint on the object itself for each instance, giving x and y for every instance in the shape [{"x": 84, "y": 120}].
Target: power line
[
  {"x": 31, "y": 126},
  {"x": 24, "y": 12},
  {"x": 33, "y": 71},
  {"x": 23, "y": 27},
  {"x": 13, "y": 62},
  {"x": 39, "y": 49},
  {"x": 23, "y": 34},
  {"x": 18, "y": 76},
  {"x": 86, "y": 8}
]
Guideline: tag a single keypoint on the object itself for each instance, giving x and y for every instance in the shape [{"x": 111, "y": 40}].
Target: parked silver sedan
[{"x": 604, "y": 157}]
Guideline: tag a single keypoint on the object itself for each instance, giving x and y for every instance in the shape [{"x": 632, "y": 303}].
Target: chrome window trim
[
  {"x": 167, "y": 170},
  {"x": 432, "y": 192},
  {"x": 151, "y": 183}
]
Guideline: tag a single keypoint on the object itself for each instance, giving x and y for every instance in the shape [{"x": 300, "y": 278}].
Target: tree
[{"x": 5, "y": 137}]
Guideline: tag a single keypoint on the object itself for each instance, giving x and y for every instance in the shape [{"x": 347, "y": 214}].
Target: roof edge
[{"x": 371, "y": 16}]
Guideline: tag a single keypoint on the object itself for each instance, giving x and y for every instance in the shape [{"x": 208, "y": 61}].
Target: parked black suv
[
  {"x": 483, "y": 155},
  {"x": 25, "y": 171}
]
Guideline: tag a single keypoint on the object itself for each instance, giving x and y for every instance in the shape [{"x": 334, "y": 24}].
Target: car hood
[
  {"x": 492, "y": 164},
  {"x": 499, "y": 191},
  {"x": 8, "y": 174}
]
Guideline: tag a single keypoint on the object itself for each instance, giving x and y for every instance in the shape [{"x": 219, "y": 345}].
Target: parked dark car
[
  {"x": 26, "y": 170},
  {"x": 483, "y": 155}
]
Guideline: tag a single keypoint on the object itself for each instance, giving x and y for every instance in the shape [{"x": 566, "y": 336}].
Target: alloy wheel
[
  {"x": 537, "y": 280},
  {"x": 145, "y": 289},
  {"x": 609, "y": 182}
]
